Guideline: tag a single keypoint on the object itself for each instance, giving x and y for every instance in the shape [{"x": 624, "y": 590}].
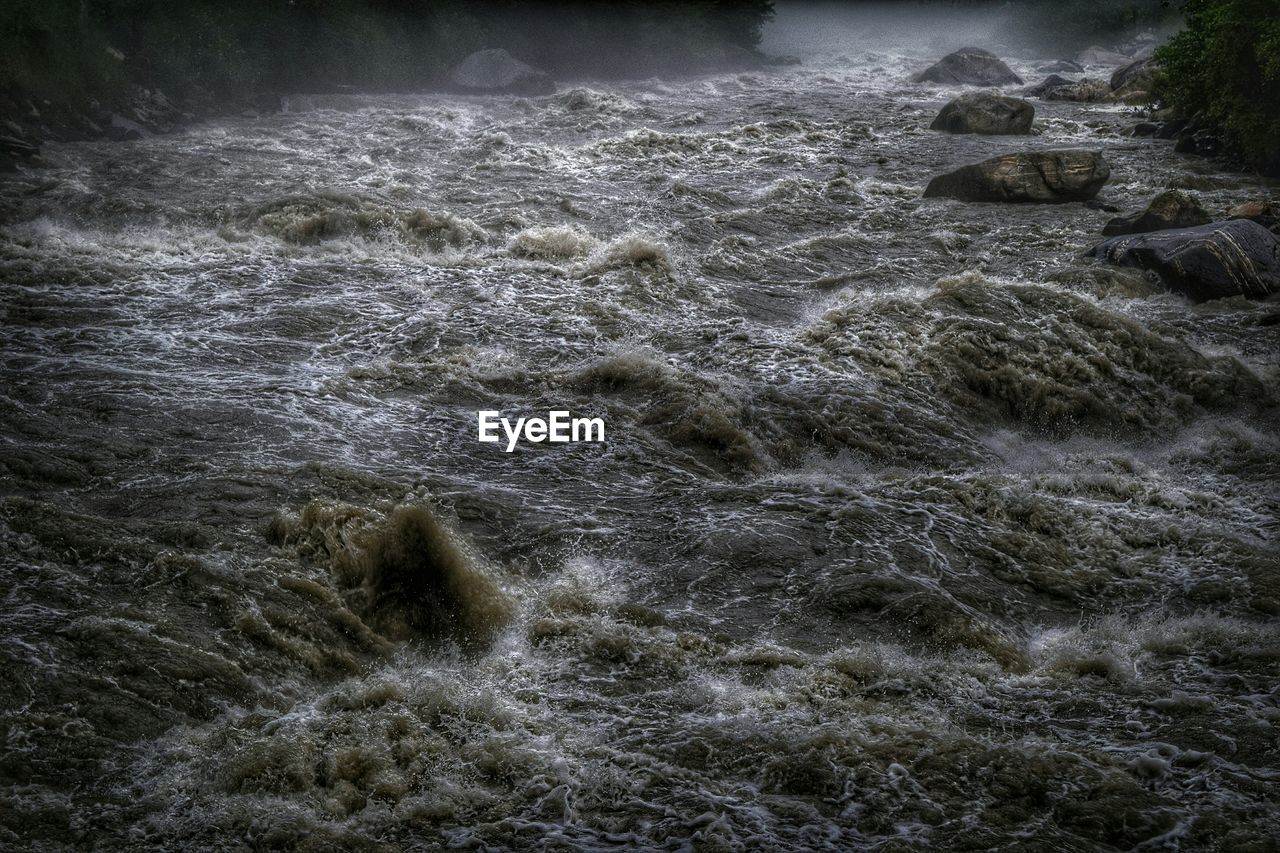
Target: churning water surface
[{"x": 911, "y": 527}]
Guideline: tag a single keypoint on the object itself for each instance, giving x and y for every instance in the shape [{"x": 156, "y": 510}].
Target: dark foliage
[
  {"x": 214, "y": 50},
  {"x": 1225, "y": 69}
]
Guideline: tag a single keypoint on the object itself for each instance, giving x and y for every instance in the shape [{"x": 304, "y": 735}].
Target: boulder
[
  {"x": 1101, "y": 56},
  {"x": 1086, "y": 90},
  {"x": 1061, "y": 66},
  {"x": 1259, "y": 210},
  {"x": 986, "y": 113},
  {"x": 1027, "y": 176},
  {"x": 1053, "y": 81},
  {"x": 970, "y": 66},
  {"x": 1203, "y": 141},
  {"x": 1170, "y": 209},
  {"x": 496, "y": 72},
  {"x": 1234, "y": 258},
  {"x": 1136, "y": 70},
  {"x": 1134, "y": 82}
]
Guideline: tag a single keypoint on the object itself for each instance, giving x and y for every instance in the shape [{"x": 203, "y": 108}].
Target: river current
[{"x": 911, "y": 527}]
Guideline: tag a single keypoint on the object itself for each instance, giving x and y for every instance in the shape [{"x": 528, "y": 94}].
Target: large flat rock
[
  {"x": 985, "y": 113},
  {"x": 1026, "y": 176},
  {"x": 1234, "y": 258}
]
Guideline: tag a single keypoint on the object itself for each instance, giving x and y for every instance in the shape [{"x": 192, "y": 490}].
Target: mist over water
[
  {"x": 824, "y": 32},
  {"x": 912, "y": 528}
]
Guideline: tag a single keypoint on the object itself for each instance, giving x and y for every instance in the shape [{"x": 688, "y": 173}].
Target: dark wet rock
[
  {"x": 28, "y": 122},
  {"x": 1060, "y": 67},
  {"x": 1138, "y": 70},
  {"x": 496, "y": 72},
  {"x": 1170, "y": 129},
  {"x": 1234, "y": 258},
  {"x": 1202, "y": 141},
  {"x": 1027, "y": 176},
  {"x": 1087, "y": 90},
  {"x": 1101, "y": 56},
  {"x": 1134, "y": 82},
  {"x": 1053, "y": 81},
  {"x": 1099, "y": 204},
  {"x": 985, "y": 113},
  {"x": 1145, "y": 128},
  {"x": 14, "y": 150},
  {"x": 1170, "y": 209},
  {"x": 152, "y": 110},
  {"x": 1058, "y": 88},
  {"x": 970, "y": 66}
]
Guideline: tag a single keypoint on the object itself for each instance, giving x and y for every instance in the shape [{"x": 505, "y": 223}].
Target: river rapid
[{"x": 911, "y": 527}]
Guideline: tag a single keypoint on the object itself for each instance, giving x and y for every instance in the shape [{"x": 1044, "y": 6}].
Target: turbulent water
[{"x": 911, "y": 527}]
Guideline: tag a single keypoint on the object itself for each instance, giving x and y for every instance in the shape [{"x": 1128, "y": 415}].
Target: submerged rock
[
  {"x": 985, "y": 113},
  {"x": 1170, "y": 209},
  {"x": 496, "y": 72},
  {"x": 971, "y": 66},
  {"x": 1027, "y": 176},
  {"x": 1234, "y": 258}
]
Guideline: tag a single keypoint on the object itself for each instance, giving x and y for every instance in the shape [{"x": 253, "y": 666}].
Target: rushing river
[{"x": 910, "y": 528}]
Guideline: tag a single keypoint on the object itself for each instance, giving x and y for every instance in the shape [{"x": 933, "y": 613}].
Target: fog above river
[{"x": 825, "y": 32}]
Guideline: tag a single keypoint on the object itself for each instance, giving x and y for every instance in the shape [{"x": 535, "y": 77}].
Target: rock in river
[
  {"x": 495, "y": 72},
  {"x": 1134, "y": 82},
  {"x": 1170, "y": 209},
  {"x": 1034, "y": 176},
  {"x": 1085, "y": 90},
  {"x": 971, "y": 66},
  {"x": 1062, "y": 65},
  {"x": 1101, "y": 56},
  {"x": 1234, "y": 258},
  {"x": 1053, "y": 81},
  {"x": 986, "y": 113}
]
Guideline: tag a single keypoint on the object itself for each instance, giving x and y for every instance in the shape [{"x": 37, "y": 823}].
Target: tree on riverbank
[
  {"x": 76, "y": 50},
  {"x": 1225, "y": 68}
]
